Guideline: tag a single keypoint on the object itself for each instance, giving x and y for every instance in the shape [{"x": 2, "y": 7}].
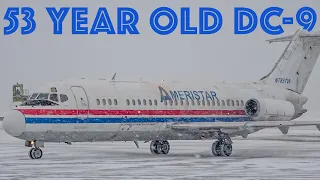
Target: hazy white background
[{"x": 41, "y": 57}]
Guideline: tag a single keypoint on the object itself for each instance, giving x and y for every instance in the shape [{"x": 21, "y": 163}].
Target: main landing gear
[
  {"x": 223, "y": 146},
  {"x": 159, "y": 147},
  {"x": 35, "y": 152}
]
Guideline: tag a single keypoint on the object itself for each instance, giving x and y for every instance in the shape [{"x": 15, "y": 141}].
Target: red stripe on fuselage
[{"x": 128, "y": 112}]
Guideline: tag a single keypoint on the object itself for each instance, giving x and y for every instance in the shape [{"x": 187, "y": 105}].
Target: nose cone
[{"x": 14, "y": 123}]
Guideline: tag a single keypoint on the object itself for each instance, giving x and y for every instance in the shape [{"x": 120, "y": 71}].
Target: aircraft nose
[{"x": 14, "y": 123}]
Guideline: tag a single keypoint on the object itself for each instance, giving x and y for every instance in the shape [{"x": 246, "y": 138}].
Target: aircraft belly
[
  {"x": 91, "y": 132},
  {"x": 110, "y": 132}
]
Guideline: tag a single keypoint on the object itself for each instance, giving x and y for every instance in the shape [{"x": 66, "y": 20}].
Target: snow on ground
[{"x": 294, "y": 156}]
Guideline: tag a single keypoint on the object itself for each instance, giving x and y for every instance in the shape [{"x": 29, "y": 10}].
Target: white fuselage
[{"x": 123, "y": 111}]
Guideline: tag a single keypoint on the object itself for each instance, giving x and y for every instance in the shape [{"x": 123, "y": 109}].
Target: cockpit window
[
  {"x": 38, "y": 103},
  {"x": 54, "y": 97},
  {"x": 63, "y": 98},
  {"x": 43, "y": 96},
  {"x": 33, "y": 96}
]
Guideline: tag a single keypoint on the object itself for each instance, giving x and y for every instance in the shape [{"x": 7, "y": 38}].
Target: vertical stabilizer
[{"x": 293, "y": 69}]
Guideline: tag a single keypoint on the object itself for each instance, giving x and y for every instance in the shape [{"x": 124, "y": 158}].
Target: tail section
[{"x": 293, "y": 69}]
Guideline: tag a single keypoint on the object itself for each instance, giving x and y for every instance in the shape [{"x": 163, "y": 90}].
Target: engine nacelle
[{"x": 269, "y": 110}]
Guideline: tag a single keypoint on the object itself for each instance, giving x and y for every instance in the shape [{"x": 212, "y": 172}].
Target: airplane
[{"x": 83, "y": 110}]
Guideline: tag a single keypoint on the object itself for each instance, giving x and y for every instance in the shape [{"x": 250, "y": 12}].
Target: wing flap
[
  {"x": 243, "y": 125},
  {"x": 207, "y": 126}
]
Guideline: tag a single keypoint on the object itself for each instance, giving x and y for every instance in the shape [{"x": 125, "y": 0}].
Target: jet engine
[{"x": 269, "y": 110}]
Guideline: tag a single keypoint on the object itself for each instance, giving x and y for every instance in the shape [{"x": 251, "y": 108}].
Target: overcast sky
[{"x": 41, "y": 57}]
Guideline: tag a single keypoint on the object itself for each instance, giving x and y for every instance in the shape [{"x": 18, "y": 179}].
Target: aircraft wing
[{"x": 243, "y": 125}]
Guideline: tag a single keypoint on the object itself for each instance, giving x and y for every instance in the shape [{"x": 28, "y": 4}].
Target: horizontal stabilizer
[
  {"x": 291, "y": 37},
  {"x": 281, "y": 39},
  {"x": 282, "y": 125}
]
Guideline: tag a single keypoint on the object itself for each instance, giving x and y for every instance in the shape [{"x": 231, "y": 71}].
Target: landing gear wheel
[
  {"x": 154, "y": 147},
  {"x": 159, "y": 147},
  {"x": 165, "y": 147},
  {"x": 226, "y": 149},
  {"x": 223, "y": 146},
  {"x": 35, "y": 153},
  {"x": 216, "y": 148},
  {"x": 31, "y": 153}
]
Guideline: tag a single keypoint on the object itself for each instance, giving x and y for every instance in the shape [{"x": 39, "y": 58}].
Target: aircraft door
[{"x": 82, "y": 102}]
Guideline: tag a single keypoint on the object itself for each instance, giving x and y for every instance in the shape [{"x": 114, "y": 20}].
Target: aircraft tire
[
  {"x": 226, "y": 149},
  {"x": 216, "y": 148},
  {"x": 35, "y": 153},
  {"x": 31, "y": 153},
  {"x": 165, "y": 147},
  {"x": 154, "y": 147}
]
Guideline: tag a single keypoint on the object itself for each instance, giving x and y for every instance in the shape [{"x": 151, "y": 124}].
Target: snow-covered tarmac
[{"x": 294, "y": 156}]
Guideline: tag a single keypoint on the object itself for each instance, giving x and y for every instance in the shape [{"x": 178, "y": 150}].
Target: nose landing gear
[{"x": 35, "y": 152}]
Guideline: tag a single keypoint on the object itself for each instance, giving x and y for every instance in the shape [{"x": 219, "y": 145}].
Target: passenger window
[
  {"x": 181, "y": 102},
  {"x": 115, "y": 102},
  {"x": 104, "y": 102},
  {"x": 171, "y": 102},
  {"x": 203, "y": 103},
  {"x": 63, "y": 98},
  {"x": 213, "y": 103},
  {"x": 43, "y": 96},
  {"x": 232, "y": 103},
  {"x": 128, "y": 102},
  {"x": 139, "y": 102},
  {"x": 54, "y": 97},
  {"x": 176, "y": 102},
  {"x": 228, "y": 102},
  {"x": 198, "y": 102},
  {"x": 144, "y": 102},
  {"x": 223, "y": 103},
  {"x": 155, "y": 102},
  {"x": 237, "y": 102},
  {"x": 242, "y": 104},
  {"x": 133, "y": 102},
  {"x": 165, "y": 102},
  {"x": 208, "y": 103},
  {"x": 109, "y": 102},
  {"x": 218, "y": 103},
  {"x": 187, "y": 102},
  {"x": 98, "y": 101},
  {"x": 192, "y": 102},
  {"x": 33, "y": 96},
  {"x": 150, "y": 102}
]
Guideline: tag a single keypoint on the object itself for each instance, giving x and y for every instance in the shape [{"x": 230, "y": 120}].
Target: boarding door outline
[{"x": 82, "y": 102}]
